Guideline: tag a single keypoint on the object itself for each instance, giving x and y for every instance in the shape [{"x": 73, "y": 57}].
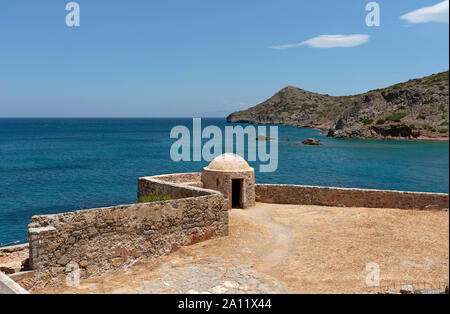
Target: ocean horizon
[{"x": 53, "y": 165}]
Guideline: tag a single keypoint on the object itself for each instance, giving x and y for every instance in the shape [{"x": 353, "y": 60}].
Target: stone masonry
[
  {"x": 99, "y": 240},
  {"x": 221, "y": 172},
  {"x": 324, "y": 196},
  {"x": 103, "y": 239}
]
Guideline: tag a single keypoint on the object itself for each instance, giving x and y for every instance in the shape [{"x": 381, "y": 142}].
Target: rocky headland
[{"x": 417, "y": 109}]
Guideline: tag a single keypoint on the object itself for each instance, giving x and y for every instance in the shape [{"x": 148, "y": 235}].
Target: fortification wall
[
  {"x": 179, "y": 178},
  {"x": 103, "y": 239},
  {"x": 178, "y": 186},
  {"x": 96, "y": 241},
  {"x": 328, "y": 196}
]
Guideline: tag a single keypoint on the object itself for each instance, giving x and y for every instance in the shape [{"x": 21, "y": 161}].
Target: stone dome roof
[{"x": 228, "y": 162}]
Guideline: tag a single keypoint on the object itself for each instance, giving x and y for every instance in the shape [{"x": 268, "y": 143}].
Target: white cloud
[
  {"x": 435, "y": 13},
  {"x": 329, "y": 41}
]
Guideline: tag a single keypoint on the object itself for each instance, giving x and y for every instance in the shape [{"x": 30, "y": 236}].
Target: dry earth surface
[{"x": 296, "y": 249}]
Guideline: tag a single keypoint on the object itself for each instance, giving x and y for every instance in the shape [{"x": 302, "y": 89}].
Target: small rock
[
  {"x": 26, "y": 264},
  {"x": 218, "y": 290},
  {"x": 407, "y": 289},
  {"x": 230, "y": 284},
  {"x": 57, "y": 270},
  {"x": 393, "y": 291},
  {"x": 63, "y": 260},
  {"x": 263, "y": 138},
  {"x": 7, "y": 270},
  {"x": 92, "y": 270},
  {"x": 84, "y": 264},
  {"x": 311, "y": 141}
]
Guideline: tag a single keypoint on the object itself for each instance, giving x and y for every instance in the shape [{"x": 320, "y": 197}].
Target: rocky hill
[{"x": 414, "y": 109}]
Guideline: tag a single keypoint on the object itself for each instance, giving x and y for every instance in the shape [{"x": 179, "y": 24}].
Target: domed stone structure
[{"x": 231, "y": 175}]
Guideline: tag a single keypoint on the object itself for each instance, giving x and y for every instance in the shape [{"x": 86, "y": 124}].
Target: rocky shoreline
[{"x": 414, "y": 110}]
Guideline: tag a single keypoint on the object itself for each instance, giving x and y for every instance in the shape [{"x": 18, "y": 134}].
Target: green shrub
[
  {"x": 367, "y": 121},
  {"x": 396, "y": 116},
  {"x": 428, "y": 101},
  {"x": 436, "y": 79},
  {"x": 444, "y": 123},
  {"x": 427, "y": 127},
  {"x": 412, "y": 126},
  {"x": 421, "y": 116},
  {"x": 443, "y": 131},
  {"x": 154, "y": 198},
  {"x": 381, "y": 121}
]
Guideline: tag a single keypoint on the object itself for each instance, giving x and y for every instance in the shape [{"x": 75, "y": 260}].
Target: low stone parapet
[
  {"x": 178, "y": 186},
  {"x": 343, "y": 197},
  {"x": 95, "y": 241}
]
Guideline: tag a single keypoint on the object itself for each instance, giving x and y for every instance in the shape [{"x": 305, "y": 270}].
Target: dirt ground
[{"x": 296, "y": 249}]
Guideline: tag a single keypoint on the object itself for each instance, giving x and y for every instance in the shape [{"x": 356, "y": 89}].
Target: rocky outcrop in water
[
  {"x": 312, "y": 142},
  {"x": 414, "y": 109}
]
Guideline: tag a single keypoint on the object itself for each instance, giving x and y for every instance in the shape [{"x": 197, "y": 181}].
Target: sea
[{"x": 57, "y": 165}]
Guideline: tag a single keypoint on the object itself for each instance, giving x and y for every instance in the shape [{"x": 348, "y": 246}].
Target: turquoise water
[{"x": 56, "y": 165}]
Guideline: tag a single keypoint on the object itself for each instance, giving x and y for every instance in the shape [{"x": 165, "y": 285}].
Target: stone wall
[
  {"x": 325, "y": 196},
  {"x": 103, "y": 239},
  {"x": 176, "y": 185},
  {"x": 180, "y": 178}
]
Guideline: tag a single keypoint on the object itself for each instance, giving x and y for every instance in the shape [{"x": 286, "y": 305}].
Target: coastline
[
  {"x": 325, "y": 131},
  {"x": 403, "y": 139},
  {"x": 120, "y": 157}
]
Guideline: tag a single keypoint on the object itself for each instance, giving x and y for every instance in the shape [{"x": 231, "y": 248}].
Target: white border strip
[{"x": 7, "y": 283}]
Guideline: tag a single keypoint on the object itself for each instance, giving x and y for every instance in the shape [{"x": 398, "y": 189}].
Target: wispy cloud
[
  {"x": 435, "y": 13},
  {"x": 329, "y": 41}
]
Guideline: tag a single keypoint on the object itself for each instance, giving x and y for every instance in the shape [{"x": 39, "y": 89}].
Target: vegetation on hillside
[{"x": 418, "y": 104}]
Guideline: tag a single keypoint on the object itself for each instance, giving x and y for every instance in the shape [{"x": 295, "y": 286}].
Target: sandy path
[{"x": 282, "y": 237}]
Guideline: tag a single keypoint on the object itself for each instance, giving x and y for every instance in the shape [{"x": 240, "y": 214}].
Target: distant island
[{"x": 417, "y": 109}]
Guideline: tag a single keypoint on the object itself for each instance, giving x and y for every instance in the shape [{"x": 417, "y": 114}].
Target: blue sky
[{"x": 171, "y": 58}]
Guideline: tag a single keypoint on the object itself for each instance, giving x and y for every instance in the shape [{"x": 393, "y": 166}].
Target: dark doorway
[{"x": 236, "y": 193}]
